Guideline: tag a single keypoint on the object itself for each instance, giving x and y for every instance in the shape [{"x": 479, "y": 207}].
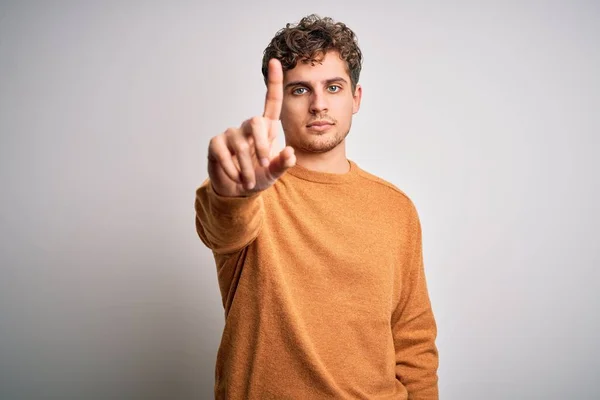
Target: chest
[{"x": 335, "y": 249}]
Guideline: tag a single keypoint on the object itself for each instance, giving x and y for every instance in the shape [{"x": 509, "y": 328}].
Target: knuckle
[
  {"x": 256, "y": 120},
  {"x": 214, "y": 148},
  {"x": 230, "y": 132},
  {"x": 214, "y": 142},
  {"x": 243, "y": 146},
  {"x": 219, "y": 156},
  {"x": 257, "y": 124}
]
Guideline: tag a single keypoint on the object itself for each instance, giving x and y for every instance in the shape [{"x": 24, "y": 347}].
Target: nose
[{"x": 318, "y": 103}]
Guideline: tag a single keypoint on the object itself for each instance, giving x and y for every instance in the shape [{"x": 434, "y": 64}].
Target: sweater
[{"x": 324, "y": 290}]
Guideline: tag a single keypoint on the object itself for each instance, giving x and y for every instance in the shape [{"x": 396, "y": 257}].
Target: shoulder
[
  {"x": 391, "y": 201},
  {"x": 381, "y": 185}
]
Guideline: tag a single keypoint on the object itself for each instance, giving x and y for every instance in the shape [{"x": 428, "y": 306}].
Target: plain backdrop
[{"x": 484, "y": 112}]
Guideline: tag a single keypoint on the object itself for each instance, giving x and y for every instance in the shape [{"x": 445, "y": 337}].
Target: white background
[{"x": 484, "y": 113}]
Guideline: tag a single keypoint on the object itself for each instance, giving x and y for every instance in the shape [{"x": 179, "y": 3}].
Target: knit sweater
[{"x": 324, "y": 290}]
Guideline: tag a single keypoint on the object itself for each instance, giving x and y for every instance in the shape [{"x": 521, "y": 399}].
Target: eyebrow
[{"x": 305, "y": 83}]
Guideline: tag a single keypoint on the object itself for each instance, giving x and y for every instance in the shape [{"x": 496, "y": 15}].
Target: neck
[{"x": 333, "y": 161}]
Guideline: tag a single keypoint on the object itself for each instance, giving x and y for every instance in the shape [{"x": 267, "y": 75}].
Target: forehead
[{"x": 331, "y": 65}]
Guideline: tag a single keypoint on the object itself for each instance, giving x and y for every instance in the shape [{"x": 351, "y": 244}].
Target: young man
[{"x": 319, "y": 262}]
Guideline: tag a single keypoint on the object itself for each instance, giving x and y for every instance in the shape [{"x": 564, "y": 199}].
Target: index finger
[{"x": 274, "y": 96}]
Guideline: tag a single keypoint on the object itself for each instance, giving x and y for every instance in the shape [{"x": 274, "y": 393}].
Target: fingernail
[{"x": 264, "y": 162}]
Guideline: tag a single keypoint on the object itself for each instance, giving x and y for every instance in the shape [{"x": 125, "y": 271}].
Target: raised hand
[{"x": 242, "y": 161}]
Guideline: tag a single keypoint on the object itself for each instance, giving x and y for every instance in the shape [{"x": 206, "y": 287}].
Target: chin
[{"x": 321, "y": 143}]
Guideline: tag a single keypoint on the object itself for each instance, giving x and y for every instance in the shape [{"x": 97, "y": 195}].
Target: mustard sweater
[{"x": 324, "y": 290}]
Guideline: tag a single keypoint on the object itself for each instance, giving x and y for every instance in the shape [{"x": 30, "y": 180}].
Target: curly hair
[{"x": 309, "y": 40}]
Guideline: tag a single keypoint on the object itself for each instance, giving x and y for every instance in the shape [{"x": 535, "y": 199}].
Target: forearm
[
  {"x": 416, "y": 353},
  {"x": 413, "y": 324},
  {"x": 227, "y": 224}
]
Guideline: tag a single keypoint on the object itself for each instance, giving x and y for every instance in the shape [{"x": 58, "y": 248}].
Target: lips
[
  {"x": 320, "y": 127},
  {"x": 317, "y": 124}
]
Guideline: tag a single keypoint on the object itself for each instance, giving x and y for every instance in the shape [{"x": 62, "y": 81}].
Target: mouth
[{"x": 319, "y": 126}]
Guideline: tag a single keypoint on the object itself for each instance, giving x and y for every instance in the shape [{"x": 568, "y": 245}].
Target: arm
[
  {"x": 242, "y": 164},
  {"x": 227, "y": 224},
  {"x": 413, "y": 324}
]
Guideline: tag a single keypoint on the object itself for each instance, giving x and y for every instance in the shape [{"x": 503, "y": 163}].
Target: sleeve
[
  {"x": 413, "y": 324},
  {"x": 227, "y": 224}
]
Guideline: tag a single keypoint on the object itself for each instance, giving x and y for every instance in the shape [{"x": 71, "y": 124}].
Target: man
[{"x": 319, "y": 262}]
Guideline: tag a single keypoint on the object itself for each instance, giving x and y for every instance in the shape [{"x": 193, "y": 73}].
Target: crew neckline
[{"x": 324, "y": 177}]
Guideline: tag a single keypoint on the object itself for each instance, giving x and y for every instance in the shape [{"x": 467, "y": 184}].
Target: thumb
[{"x": 282, "y": 162}]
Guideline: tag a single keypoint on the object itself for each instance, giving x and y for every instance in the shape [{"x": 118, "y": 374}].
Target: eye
[
  {"x": 300, "y": 90},
  {"x": 334, "y": 88}
]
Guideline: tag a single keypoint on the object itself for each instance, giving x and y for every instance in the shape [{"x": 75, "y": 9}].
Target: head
[{"x": 321, "y": 62}]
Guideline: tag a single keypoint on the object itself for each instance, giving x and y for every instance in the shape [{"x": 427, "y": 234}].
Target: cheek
[
  {"x": 286, "y": 118},
  {"x": 345, "y": 109},
  {"x": 291, "y": 113}
]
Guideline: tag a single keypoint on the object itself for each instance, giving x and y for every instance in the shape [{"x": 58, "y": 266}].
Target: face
[{"x": 318, "y": 104}]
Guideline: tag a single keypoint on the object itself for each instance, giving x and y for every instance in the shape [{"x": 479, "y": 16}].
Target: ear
[{"x": 356, "y": 98}]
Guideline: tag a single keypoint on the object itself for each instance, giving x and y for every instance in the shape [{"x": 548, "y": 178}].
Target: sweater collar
[{"x": 324, "y": 177}]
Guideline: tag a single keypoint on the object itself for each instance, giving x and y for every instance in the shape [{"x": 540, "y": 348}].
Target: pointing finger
[{"x": 274, "y": 96}]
